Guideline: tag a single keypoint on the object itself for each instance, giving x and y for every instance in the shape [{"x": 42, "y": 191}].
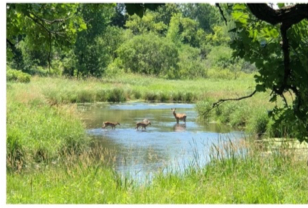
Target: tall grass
[
  {"x": 237, "y": 174},
  {"x": 38, "y": 132},
  {"x": 250, "y": 115},
  {"x": 131, "y": 87}
]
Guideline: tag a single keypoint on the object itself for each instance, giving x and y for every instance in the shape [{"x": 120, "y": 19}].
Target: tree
[
  {"x": 119, "y": 18},
  {"x": 205, "y": 14},
  {"x": 165, "y": 12},
  {"x": 190, "y": 64},
  {"x": 277, "y": 42},
  {"x": 184, "y": 30},
  {"x": 140, "y": 9},
  {"x": 42, "y": 26},
  {"x": 173, "y": 33},
  {"x": 149, "y": 54},
  {"x": 92, "y": 56},
  {"x": 145, "y": 24}
]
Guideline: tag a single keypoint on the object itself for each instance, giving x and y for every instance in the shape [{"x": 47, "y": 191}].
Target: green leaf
[
  {"x": 273, "y": 98},
  {"x": 260, "y": 88},
  {"x": 233, "y": 30},
  {"x": 239, "y": 6},
  {"x": 280, "y": 5}
]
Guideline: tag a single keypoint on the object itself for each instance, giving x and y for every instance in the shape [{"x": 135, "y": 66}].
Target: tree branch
[
  {"x": 288, "y": 15},
  {"x": 42, "y": 22},
  {"x": 221, "y": 12},
  {"x": 233, "y": 99},
  {"x": 38, "y": 22},
  {"x": 49, "y": 34},
  {"x": 286, "y": 57},
  {"x": 55, "y": 20},
  {"x": 10, "y": 43}
]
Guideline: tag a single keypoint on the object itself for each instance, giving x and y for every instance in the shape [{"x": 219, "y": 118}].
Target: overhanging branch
[
  {"x": 233, "y": 99},
  {"x": 288, "y": 15}
]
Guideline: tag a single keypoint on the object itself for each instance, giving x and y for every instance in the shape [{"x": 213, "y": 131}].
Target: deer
[
  {"x": 179, "y": 116},
  {"x": 143, "y": 124},
  {"x": 108, "y": 123}
]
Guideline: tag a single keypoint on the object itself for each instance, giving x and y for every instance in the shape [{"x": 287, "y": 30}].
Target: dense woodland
[{"x": 173, "y": 41}]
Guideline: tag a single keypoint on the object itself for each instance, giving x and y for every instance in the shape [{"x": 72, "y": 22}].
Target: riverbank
[
  {"x": 249, "y": 178},
  {"x": 49, "y": 160},
  {"x": 133, "y": 87}
]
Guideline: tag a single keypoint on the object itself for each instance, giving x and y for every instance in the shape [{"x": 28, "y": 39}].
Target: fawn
[
  {"x": 142, "y": 124},
  {"x": 108, "y": 123},
  {"x": 179, "y": 116}
]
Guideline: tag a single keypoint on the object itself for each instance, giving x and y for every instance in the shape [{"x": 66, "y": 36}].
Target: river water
[{"x": 163, "y": 146}]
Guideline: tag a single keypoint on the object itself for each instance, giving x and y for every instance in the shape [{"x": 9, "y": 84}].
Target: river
[{"x": 163, "y": 146}]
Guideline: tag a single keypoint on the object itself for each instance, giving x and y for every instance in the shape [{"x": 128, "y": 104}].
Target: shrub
[
  {"x": 149, "y": 54},
  {"x": 17, "y": 76},
  {"x": 137, "y": 94},
  {"x": 217, "y": 73},
  {"x": 258, "y": 122},
  {"x": 190, "y": 64},
  {"x": 204, "y": 109}
]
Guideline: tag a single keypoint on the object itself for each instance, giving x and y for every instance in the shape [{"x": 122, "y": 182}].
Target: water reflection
[{"x": 179, "y": 127}]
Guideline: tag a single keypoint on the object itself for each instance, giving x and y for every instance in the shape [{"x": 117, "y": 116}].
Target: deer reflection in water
[{"x": 179, "y": 127}]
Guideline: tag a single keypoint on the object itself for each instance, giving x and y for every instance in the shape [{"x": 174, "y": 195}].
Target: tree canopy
[{"x": 278, "y": 47}]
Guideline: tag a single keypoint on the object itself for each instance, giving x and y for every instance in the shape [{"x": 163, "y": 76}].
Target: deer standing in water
[
  {"x": 179, "y": 116},
  {"x": 143, "y": 124},
  {"x": 112, "y": 124}
]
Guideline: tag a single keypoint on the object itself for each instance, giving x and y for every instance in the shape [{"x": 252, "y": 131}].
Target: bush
[
  {"x": 113, "y": 69},
  {"x": 17, "y": 76},
  {"x": 258, "y": 122},
  {"x": 204, "y": 109},
  {"x": 137, "y": 94},
  {"x": 227, "y": 109},
  {"x": 237, "y": 114},
  {"x": 149, "y": 54},
  {"x": 190, "y": 64},
  {"x": 217, "y": 73}
]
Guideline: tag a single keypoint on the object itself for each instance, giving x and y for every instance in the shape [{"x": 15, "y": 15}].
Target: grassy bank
[
  {"x": 250, "y": 115},
  {"x": 249, "y": 177},
  {"x": 37, "y": 132},
  {"x": 133, "y": 87}
]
